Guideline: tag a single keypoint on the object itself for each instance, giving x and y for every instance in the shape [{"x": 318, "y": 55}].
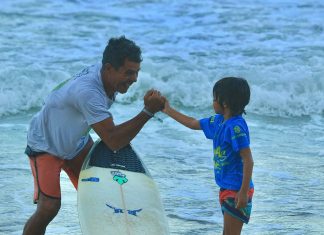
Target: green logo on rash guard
[
  {"x": 219, "y": 158},
  {"x": 238, "y": 133},
  {"x": 237, "y": 129}
]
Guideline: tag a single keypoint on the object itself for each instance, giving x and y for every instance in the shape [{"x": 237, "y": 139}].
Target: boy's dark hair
[
  {"x": 119, "y": 49},
  {"x": 234, "y": 92}
]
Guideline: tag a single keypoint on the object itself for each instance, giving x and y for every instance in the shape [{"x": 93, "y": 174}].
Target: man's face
[{"x": 125, "y": 76}]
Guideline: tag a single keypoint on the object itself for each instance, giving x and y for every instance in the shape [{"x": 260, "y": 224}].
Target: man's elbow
[{"x": 113, "y": 143}]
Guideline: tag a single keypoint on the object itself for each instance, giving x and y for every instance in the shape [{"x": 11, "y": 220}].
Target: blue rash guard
[{"x": 229, "y": 138}]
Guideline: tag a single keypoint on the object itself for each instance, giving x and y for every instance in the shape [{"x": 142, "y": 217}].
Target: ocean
[{"x": 277, "y": 45}]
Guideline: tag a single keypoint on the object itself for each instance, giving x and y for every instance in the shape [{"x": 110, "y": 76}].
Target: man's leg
[
  {"x": 46, "y": 171},
  {"x": 47, "y": 209},
  {"x": 73, "y": 167}
]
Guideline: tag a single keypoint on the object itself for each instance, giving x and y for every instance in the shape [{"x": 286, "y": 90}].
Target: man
[{"x": 58, "y": 136}]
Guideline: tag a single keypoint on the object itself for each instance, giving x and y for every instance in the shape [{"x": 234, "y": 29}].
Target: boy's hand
[
  {"x": 241, "y": 200},
  {"x": 166, "y": 106}
]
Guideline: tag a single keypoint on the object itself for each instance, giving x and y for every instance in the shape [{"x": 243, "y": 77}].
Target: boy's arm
[
  {"x": 185, "y": 120},
  {"x": 242, "y": 196}
]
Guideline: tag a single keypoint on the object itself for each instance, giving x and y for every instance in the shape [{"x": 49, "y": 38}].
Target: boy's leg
[
  {"x": 46, "y": 171},
  {"x": 232, "y": 226},
  {"x": 233, "y": 217},
  {"x": 73, "y": 167}
]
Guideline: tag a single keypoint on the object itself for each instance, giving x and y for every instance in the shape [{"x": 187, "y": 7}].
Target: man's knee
[{"x": 48, "y": 207}]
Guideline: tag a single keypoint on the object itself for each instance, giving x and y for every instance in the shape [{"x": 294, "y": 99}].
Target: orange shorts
[
  {"x": 46, "y": 169},
  {"x": 225, "y": 193},
  {"x": 228, "y": 204}
]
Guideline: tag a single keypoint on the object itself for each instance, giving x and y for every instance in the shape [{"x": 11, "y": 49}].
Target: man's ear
[{"x": 108, "y": 67}]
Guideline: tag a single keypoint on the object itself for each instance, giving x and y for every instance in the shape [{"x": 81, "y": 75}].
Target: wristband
[
  {"x": 148, "y": 112},
  {"x": 151, "y": 114}
]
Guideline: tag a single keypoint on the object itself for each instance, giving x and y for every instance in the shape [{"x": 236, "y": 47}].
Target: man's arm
[{"x": 118, "y": 136}]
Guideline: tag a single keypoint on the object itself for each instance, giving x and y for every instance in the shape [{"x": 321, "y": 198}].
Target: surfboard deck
[{"x": 117, "y": 195}]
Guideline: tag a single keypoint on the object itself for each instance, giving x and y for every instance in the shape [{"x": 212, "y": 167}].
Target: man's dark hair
[
  {"x": 119, "y": 49},
  {"x": 234, "y": 92}
]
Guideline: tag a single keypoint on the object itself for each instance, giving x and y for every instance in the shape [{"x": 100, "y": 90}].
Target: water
[{"x": 278, "y": 46}]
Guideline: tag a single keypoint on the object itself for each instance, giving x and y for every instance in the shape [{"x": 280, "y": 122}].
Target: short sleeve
[
  {"x": 239, "y": 137},
  {"x": 208, "y": 126},
  {"x": 94, "y": 106}
]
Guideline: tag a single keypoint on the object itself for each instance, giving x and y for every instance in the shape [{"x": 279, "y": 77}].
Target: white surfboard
[{"x": 117, "y": 195}]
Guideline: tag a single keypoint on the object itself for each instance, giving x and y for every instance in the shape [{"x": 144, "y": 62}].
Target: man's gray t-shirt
[{"x": 62, "y": 126}]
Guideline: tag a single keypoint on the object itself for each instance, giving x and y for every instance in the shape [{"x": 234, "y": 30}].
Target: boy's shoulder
[
  {"x": 217, "y": 118},
  {"x": 237, "y": 125},
  {"x": 237, "y": 120}
]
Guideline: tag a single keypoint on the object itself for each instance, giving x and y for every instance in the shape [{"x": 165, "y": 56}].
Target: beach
[{"x": 277, "y": 46}]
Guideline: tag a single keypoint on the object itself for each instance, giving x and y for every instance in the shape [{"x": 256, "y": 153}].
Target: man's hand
[{"x": 153, "y": 101}]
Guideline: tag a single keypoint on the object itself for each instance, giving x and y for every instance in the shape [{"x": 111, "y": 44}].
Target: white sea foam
[
  {"x": 24, "y": 88},
  {"x": 275, "y": 90}
]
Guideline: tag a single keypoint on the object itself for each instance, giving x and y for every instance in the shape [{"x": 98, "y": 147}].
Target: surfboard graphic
[{"x": 117, "y": 195}]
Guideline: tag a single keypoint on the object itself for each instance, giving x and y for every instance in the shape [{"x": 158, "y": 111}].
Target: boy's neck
[{"x": 227, "y": 114}]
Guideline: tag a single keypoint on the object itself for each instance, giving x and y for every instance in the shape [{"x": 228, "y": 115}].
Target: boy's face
[{"x": 217, "y": 107}]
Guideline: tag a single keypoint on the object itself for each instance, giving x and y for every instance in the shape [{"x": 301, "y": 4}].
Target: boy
[{"x": 233, "y": 162}]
